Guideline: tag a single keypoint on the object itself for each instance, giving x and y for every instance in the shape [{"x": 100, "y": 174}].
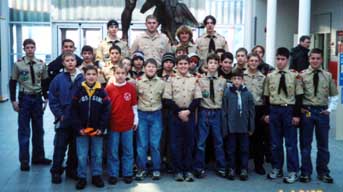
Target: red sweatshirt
[{"x": 122, "y": 99}]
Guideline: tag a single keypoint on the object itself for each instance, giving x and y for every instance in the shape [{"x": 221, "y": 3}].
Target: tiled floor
[{"x": 38, "y": 179}]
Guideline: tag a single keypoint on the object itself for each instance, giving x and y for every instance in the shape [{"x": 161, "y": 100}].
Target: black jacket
[
  {"x": 56, "y": 66},
  {"x": 299, "y": 60}
]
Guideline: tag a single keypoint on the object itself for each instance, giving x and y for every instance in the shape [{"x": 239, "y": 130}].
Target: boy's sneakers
[
  {"x": 178, "y": 177},
  {"x": 156, "y": 175},
  {"x": 56, "y": 178},
  {"x": 81, "y": 183},
  {"x": 260, "y": 170},
  {"x": 24, "y": 167},
  {"x": 199, "y": 173},
  {"x": 97, "y": 181},
  {"x": 140, "y": 175},
  {"x": 244, "y": 175},
  {"x": 189, "y": 177},
  {"x": 274, "y": 174},
  {"x": 304, "y": 178},
  {"x": 128, "y": 179},
  {"x": 112, "y": 180},
  {"x": 221, "y": 172},
  {"x": 231, "y": 174},
  {"x": 291, "y": 177},
  {"x": 326, "y": 178}
]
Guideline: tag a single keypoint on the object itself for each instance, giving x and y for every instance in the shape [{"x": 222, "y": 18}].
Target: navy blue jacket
[
  {"x": 61, "y": 92},
  {"x": 91, "y": 110},
  {"x": 234, "y": 120}
]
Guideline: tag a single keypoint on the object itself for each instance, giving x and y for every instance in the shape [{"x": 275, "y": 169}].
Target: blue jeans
[
  {"x": 242, "y": 149},
  {"x": 209, "y": 121},
  {"x": 321, "y": 123},
  {"x": 30, "y": 109},
  {"x": 281, "y": 127},
  {"x": 149, "y": 136},
  {"x": 181, "y": 143},
  {"x": 82, "y": 149},
  {"x": 126, "y": 142}
]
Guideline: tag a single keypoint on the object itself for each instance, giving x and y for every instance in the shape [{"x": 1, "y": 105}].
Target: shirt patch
[{"x": 127, "y": 96}]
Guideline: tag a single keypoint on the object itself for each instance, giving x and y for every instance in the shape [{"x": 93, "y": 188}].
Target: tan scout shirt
[
  {"x": 106, "y": 72},
  {"x": 150, "y": 93},
  {"x": 192, "y": 48},
  {"x": 326, "y": 87},
  {"x": 103, "y": 53},
  {"x": 203, "y": 42},
  {"x": 152, "y": 46},
  {"x": 218, "y": 84},
  {"x": 255, "y": 83},
  {"x": 182, "y": 90},
  {"x": 22, "y": 74},
  {"x": 293, "y": 83}
]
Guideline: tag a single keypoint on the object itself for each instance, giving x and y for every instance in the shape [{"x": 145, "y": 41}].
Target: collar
[
  {"x": 258, "y": 73},
  {"x": 146, "y": 35},
  {"x": 164, "y": 74},
  {"x": 134, "y": 70},
  {"x": 145, "y": 78},
  {"x": 241, "y": 88},
  {"x": 27, "y": 60},
  {"x": 278, "y": 70},
  {"x": 180, "y": 76},
  {"x": 91, "y": 90},
  {"x": 313, "y": 70},
  {"x": 119, "y": 84},
  {"x": 108, "y": 39},
  {"x": 215, "y": 76},
  {"x": 214, "y": 35}
]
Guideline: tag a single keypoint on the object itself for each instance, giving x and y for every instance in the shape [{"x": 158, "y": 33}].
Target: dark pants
[
  {"x": 235, "y": 142},
  {"x": 281, "y": 128},
  {"x": 64, "y": 138},
  {"x": 209, "y": 121},
  {"x": 258, "y": 139},
  {"x": 320, "y": 124},
  {"x": 30, "y": 109},
  {"x": 181, "y": 137},
  {"x": 164, "y": 148}
]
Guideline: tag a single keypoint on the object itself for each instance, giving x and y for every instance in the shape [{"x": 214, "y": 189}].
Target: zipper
[{"x": 89, "y": 109}]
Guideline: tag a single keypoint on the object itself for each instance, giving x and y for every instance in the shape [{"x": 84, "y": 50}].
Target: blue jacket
[
  {"x": 61, "y": 92},
  {"x": 91, "y": 108},
  {"x": 237, "y": 117}
]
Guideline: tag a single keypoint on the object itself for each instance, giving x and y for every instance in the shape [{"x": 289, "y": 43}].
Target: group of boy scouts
[{"x": 268, "y": 107}]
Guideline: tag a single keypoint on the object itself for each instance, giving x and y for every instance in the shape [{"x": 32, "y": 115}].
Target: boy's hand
[
  {"x": 183, "y": 115},
  {"x": 135, "y": 127},
  {"x": 82, "y": 132},
  {"x": 15, "y": 106},
  {"x": 295, "y": 120},
  {"x": 45, "y": 103},
  {"x": 325, "y": 112},
  {"x": 266, "y": 119},
  {"x": 98, "y": 132}
]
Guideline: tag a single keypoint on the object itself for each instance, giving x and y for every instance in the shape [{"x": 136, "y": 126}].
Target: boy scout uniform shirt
[
  {"x": 182, "y": 89},
  {"x": 255, "y": 83},
  {"x": 293, "y": 84},
  {"x": 203, "y": 43},
  {"x": 326, "y": 87},
  {"x": 103, "y": 50},
  {"x": 152, "y": 46},
  {"x": 218, "y": 85},
  {"x": 192, "y": 48},
  {"x": 150, "y": 93},
  {"x": 21, "y": 73}
]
